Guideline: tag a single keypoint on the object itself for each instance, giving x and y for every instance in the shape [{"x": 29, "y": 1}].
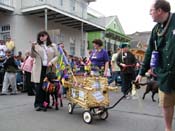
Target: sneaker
[
  {"x": 43, "y": 108},
  {"x": 3, "y": 94},
  {"x": 38, "y": 109},
  {"x": 13, "y": 93}
]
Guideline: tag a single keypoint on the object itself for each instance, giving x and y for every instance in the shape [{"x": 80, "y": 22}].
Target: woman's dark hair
[
  {"x": 162, "y": 4},
  {"x": 98, "y": 42},
  {"x": 42, "y": 33}
]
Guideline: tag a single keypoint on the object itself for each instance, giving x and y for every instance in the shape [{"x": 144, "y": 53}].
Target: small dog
[
  {"x": 151, "y": 85},
  {"x": 52, "y": 87}
]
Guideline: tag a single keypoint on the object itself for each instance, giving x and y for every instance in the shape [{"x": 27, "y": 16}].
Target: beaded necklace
[{"x": 166, "y": 27}]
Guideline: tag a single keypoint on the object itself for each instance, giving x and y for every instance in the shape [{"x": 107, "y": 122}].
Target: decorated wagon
[{"x": 91, "y": 93}]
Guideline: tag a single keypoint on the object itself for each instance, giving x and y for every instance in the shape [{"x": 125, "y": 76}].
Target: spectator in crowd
[
  {"x": 115, "y": 68},
  {"x": 10, "y": 45},
  {"x": 110, "y": 57},
  {"x": 2, "y": 52},
  {"x": 10, "y": 68},
  {"x": 20, "y": 57},
  {"x": 3, "y": 48},
  {"x": 27, "y": 68},
  {"x": 19, "y": 80},
  {"x": 99, "y": 57}
]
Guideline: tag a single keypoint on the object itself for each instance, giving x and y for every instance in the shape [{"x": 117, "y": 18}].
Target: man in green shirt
[{"x": 163, "y": 40}]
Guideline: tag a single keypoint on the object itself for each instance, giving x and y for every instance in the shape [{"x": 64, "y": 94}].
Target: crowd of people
[
  {"x": 9, "y": 66},
  {"x": 29, "y": 71}
]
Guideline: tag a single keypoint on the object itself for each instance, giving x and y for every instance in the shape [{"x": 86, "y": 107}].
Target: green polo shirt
[{"x": 166, "y": 48}]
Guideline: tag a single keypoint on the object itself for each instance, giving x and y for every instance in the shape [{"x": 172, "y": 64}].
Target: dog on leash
[
  {"x": 52, "y": 88},
  {"x": 151, "y": 86}
]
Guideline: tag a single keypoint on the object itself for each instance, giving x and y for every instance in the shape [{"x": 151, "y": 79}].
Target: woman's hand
[
  {"x": 49, "y": 64},
  {"x": 105, "y": 73},
  {"x": 33, "y": 44},
  {"x": 123, "y": 65}
]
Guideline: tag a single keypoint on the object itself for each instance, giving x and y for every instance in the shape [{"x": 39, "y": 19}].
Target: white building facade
[{"x": 65, "y": 20}]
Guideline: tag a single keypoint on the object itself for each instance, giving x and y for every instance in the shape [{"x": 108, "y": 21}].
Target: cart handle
[
  {"x": 110, "y": 107},
  {"x": 121, "y": 98}
]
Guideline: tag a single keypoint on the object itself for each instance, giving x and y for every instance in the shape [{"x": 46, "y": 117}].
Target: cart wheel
[
  {"x": 70, "y": 108},
  {"x": 87, "y": 117},
  {"x": 103, "y": 115}
]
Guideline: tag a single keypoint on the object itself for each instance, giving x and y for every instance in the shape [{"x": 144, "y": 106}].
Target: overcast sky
[{"x": 133, "y": 14}]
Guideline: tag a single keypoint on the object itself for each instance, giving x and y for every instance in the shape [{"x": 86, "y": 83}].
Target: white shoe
[{"x": 128, "y": 97}]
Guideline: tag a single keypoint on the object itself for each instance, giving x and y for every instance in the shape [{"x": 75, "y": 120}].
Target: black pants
[
  {"x": 126, "y": 82},
  {"x": 40, "y": 96},
  {"x": 28, "y": 85}
]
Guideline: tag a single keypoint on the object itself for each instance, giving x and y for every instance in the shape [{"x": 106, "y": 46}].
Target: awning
[
  {"x": 116, "y": 36},
  {"x": 63, "y": 18}
]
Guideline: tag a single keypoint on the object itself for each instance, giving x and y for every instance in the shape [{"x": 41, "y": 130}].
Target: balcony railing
[
  {"x": 7, "y": 4},
  {"x": 70, "y": 6},
  {"x": 73, "y": 7}
]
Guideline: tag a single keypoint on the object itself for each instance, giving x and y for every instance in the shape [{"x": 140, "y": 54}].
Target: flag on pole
[{"x": 61, "y": 63}]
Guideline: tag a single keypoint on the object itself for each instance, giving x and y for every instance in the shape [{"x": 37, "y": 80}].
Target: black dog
[
  {"x": 52, "y": 87},
  {"x": 152, "y": 86}
]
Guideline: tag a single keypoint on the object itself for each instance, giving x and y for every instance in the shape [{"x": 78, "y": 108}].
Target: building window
[
  {"x": 5, "y": 28},
  {"x": 4, "y": 32}
]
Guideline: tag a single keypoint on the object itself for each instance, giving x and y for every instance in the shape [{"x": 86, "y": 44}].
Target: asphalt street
[{"x": 17, "y": 114}]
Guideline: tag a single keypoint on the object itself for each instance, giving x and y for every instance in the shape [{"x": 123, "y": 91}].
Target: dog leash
[
  {"x": 124, "y": 68},
  {"x": 121, "y": 98}
]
